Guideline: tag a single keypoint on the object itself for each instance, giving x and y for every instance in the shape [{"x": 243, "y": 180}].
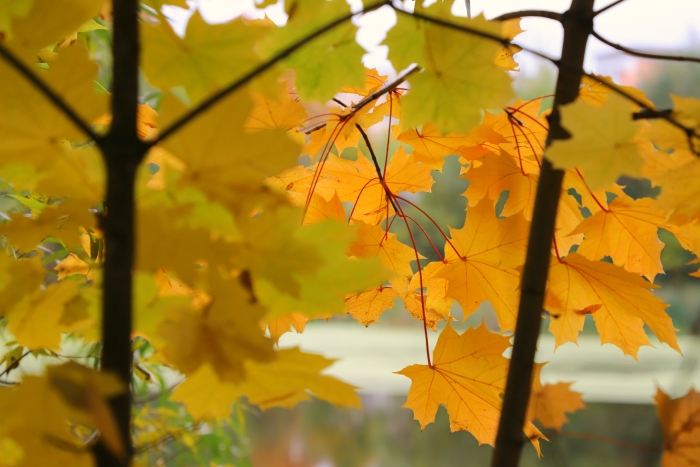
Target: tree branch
[
  {"x": 528, "y": 13},
  {"x": 564, "y": 66},
  {"x": 676, "y": 58},
  {"x": 375, "y": 95},
  {"x": 44, "y": 89},
  {"x": 606, "y": 8},
  {"x": 218, "y": 96},
  {"x": 578, "y": 23}
]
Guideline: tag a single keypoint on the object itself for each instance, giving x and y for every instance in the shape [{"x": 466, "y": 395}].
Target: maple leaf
[
  {"x": 207, "y": 58},
  {"x": 329, "y": 61},
  {"x": 366, "y": 307},
  {"x": 468, "y": 376},
  {"x": 431, "y": 147},
  {"x": 282, "y": 325},
  {"x": 233, "y": 164},
  {"x": 604, "y": 141},
  {"x": 46, "y": 407},
  {"x": 459, "y": 76},
  {"x": 686, "y": 110},
  {"x": 523, "y": 127},
  {"x": 679, "y": 190},
  {"x": 223, "y": 334},
  {"x": 550, "y": 403},
  {"x": 481, "y": 260},
  {"x": 498, "y": 173},
  {"x": 32, "y": 129},
  {"x": 620, "y": 301},
  {"x": 322, "y": 290},
  {"x": 358, "y": 182},
  {"x": 626, "y": 230},
  {"x": 282, "y": 383},
  {"x": 680, "y": 420},
  {"x": 372, "y": 241}
]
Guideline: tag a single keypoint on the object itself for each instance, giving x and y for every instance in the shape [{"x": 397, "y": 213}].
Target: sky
[{"x": 647, "y": 25}]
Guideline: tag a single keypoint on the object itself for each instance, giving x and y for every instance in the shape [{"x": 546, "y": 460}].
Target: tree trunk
[
  {"x": 122, "y": 151},
  {"x": 578, "y": 24}
]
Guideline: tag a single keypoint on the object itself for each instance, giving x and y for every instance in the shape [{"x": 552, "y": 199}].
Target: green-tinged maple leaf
[
  {"x": 330, "y": 60},
  {"x": 459, "y": 76},
  {"x": 209, "y": 57},
  {"x": 321, "y": 290},
  {"x": 604, "y": 141}
]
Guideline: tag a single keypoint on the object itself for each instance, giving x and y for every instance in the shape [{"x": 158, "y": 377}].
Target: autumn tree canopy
[{"x": 174, "y": 211}]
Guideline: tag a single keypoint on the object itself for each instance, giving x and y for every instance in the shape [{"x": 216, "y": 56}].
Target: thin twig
[
  {"x": 46, "y": 90},
  {"x": 527, "y": 13},
  {"x": 606, "y": 8},
  {"x": 14, "y": 364},
  {"x": 367, "y": 99},
  {"x": 389, "y": 194},
  {"x": 675, "y": 58},
  {"x": 218, "y": 96}
]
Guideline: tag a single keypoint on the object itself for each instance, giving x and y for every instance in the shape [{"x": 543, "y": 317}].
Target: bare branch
[
  {"x": 606, "y": 8},
  {"x": 527, "y": 13},
  {"x": 375, "y": 95},
  {"x": 676, "y": 58},
  {"x": 255, "y": 72},
  {"x": 44, "y": 89}
]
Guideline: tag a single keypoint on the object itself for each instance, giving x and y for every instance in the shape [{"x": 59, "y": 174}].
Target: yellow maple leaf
[
  {"x": 233, "y": 165},
  {"x": 468, "y": 376},
  {"x": 680, "y": 420},
  {"x": 603, "y": 143},
  {"x": 550, "y": 403},
  {"x": 686, "y": 110},
  {"x": 481, "y": 260},
  {"x": 223, "y": 334},
  {"x": 282, "y": 325},
  {"x": 626, "y": 230},
  {"x": 679, "y": 192},
  {"x": 282, "y": 383},
  {"x": 523, "y": 127},
  {"x": 320, "y": 209},
  {"x": 620, "y": 301}
]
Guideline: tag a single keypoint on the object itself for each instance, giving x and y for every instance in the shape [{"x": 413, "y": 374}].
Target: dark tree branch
[
  {"x": 606, "y": 8},
  {"x": 563, "y": 65},
  {"x": 577, "y": 24},
  {"x": 44, "y": 89},
  {"x": 218, "y": 96},
  {"x": 676, "y": 58},
  {"x": 528, "y": 13},
  {"x": 122, "y": 151}
]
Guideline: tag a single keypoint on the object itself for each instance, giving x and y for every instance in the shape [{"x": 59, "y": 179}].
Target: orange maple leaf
[
  {"x": 621, "y": 304},
  {"x": 358, "y": 182},
  {"x": 468, "y": 376},
  {"x": 481, "y": 260},
  {"x": 680, "y": 420},
  {"x": 550, "y": 403}
]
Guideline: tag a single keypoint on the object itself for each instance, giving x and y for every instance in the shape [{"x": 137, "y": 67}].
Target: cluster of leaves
[{"x": 234, "y": 239}]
